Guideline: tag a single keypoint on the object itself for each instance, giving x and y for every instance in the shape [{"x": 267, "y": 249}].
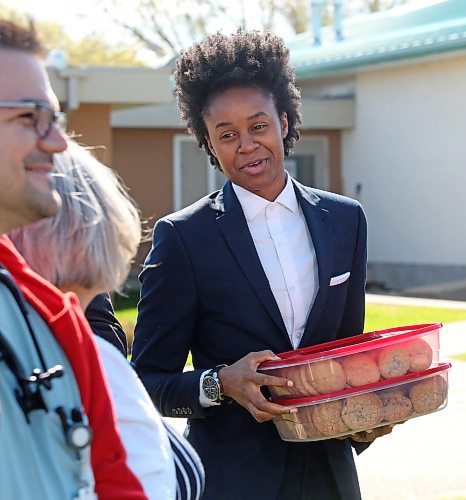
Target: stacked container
[{"x": 360, "y": 383}]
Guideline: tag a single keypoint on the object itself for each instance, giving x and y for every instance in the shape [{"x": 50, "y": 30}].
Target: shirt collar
[{"x": 252, "y": 204}]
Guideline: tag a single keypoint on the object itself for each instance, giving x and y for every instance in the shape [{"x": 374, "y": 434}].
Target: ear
[
  {"x": 284, "y": 124},
  {"x": 209, "y": 143}
]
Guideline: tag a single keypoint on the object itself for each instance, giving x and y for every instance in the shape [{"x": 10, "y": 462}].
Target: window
[
  {"x": 194, "y": 176},
  {"x": 308, "y": 163}
]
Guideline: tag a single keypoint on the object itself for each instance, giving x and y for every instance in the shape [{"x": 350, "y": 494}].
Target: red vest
[{"x": 65, "y": 318}]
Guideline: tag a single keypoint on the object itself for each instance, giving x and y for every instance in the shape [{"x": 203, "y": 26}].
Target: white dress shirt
[{"x": 284, "y": 245}]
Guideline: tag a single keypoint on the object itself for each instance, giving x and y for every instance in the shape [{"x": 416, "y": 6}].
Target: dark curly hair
[{"x": 246, "y": 58}]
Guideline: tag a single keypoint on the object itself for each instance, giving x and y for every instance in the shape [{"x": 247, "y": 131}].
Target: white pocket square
[{"x": 338, "y": 280}]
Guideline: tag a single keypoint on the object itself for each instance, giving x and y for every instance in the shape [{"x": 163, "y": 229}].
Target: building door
[{"x": 194, "y": 176}]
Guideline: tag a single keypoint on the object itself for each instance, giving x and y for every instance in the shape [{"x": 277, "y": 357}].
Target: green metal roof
[{"x": 385, "y": 37}]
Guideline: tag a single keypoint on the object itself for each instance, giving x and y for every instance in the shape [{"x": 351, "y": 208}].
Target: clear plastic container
[
  {"x": 355, "y": 361},
  {"x": 364, "y": 408}
]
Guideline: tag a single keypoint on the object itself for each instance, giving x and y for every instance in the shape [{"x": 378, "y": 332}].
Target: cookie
[
  {"x": 428, "y": 394},
  {"x": 420, "y": 355},
  {"x": 393, "y": 361},
  {"x": 373, "y": 353},
  {"x": 289, "y": 428},
  {"x": 360, "y": 369},
  {"x": 327, "y": 376},
  {"x": 326, "y": 418},
  {"x": 302, "y": 386},
  {"x": 396, "y": 405},
  {"x": 304, "y": 381},
  {"x": 283, "y": 392},
  {"x": 362, "y": 412},
  {"x": 305, "y": 417}
]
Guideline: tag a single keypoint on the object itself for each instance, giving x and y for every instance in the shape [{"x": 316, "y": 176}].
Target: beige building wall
[
  {"x": 91, "y": 123},
  {"x": 408, "y": 152},
  {"x": 144, "y": 159}
]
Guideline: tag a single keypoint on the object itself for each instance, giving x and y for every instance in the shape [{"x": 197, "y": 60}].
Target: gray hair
[{"x": 96, "y": 233}]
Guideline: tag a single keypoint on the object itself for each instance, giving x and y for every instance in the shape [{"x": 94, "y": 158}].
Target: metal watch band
[{"x": 212, "y": 385}]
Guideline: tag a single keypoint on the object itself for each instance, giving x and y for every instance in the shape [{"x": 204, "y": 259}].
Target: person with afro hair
[
  {"x": 248, "y": 60},
  {"x": 263, "y": 266}
]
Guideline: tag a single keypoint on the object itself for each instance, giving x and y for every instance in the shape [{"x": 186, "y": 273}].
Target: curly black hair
[{"x": 246, "y": 58}]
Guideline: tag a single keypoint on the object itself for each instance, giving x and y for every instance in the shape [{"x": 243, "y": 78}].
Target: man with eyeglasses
[
  {"x": 44, "y": 115},
  {"x": 53, "y": 397}
]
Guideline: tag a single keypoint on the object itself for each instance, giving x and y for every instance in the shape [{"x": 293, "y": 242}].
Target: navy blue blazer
[
  {"x": 204, "y": 291},
  {"x": 101, "y": 317}
]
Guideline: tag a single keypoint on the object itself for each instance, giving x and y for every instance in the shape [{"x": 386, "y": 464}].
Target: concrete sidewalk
[{"x": 425, "y": 458}]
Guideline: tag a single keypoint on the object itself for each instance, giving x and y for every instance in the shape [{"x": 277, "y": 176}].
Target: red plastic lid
[
  {"x": 381, "y": 384},
  {"x": 350, "y": 345}
]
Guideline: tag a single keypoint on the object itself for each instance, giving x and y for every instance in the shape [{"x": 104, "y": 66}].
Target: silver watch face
[{"x": 211, "y": 388}]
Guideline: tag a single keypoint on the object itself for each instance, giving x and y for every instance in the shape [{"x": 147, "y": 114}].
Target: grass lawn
[{"x": 378, "y": 316}]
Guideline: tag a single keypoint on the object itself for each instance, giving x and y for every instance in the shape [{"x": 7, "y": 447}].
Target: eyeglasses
[{"x": 44, "y": 116}]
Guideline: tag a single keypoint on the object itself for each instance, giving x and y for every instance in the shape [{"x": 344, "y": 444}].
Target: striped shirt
[{"x": 190, "y": 478}]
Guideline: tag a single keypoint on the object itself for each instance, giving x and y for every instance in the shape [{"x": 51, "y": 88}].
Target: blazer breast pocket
[{"x": 338, "y": 280}]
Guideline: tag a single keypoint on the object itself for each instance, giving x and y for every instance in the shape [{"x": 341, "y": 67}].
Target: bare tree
[
  {"x": 296, "y": 13},
  {"x": 166, "y": 27},
  {"x": 371, "y": 6}
]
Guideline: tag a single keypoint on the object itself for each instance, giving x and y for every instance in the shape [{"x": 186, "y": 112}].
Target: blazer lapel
[
  {"x": 318, "y": 222},
  {"x": 232, "y": 223}
]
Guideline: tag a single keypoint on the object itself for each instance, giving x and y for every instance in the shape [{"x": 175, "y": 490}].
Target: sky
[
  {"x": 77, "y": 17},
  {"x": 82, "y": 16}
]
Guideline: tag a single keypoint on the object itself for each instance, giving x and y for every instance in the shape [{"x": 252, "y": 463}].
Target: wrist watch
[{"x": 212, "y": 387}]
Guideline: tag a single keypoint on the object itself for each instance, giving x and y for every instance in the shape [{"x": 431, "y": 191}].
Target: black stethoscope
[{"x": 28, "y": 393}]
